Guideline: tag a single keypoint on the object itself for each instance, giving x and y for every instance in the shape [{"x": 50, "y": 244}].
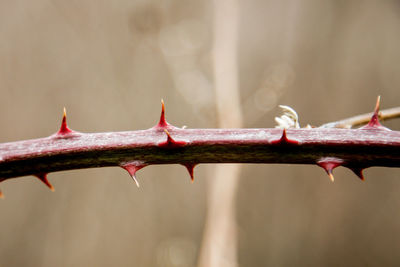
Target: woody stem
[{"x": 356, "y": 147}]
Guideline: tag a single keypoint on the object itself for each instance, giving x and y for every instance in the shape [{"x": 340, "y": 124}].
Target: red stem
[{"x": 357, "y": 149}]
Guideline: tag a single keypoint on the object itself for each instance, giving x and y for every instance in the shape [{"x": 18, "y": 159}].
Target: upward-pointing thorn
[
  {"x": 170, "y": 142},
  {"x": 374, "y": 121},
  {"x": 377, "y": 104},
  {"x": 64, "y": 127},
  {"x": 284, "y": 140},
  {"x": 43, "y": 177},
  {"x": 162, "y": 123}
]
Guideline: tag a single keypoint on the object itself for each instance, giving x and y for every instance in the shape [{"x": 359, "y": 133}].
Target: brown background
[{"x": 110, "y": 62}]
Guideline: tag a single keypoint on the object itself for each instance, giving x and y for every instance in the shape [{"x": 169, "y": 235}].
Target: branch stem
[
  {"x": 356, "y": 147},
  {"x": 362, "y": 119}
]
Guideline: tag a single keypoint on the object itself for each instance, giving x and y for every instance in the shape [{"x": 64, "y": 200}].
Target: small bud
[{"x": 289, "y": 119}]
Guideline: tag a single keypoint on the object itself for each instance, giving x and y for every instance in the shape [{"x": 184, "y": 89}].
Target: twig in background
[
  {"x": 219, "y": 245},
  {"x": 362, "y": 119}
]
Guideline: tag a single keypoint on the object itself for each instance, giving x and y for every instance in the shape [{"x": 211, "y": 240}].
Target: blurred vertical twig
[{"x": 219, "y": 247}]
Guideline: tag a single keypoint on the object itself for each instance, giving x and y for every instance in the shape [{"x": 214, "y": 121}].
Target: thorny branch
[
  {"x": 356, "y": 149},
  {"x": 358, "y": 120}
]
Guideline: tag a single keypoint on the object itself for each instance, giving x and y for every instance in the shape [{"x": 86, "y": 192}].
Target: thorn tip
[
  {"x": 331, "y": 176},
  {"x": 163, "y": 122},
  {"x": 43, "y": 177},
  {"x": 374, "y": 122},
  {"x": 168, "y": 135},
  {"x": 377, "y": 105},
  {"x": 170, "y": 142},
  {"x": 132, "y": 167},
  {"x": 190, "y": 169},
  {"x": 358, "y": 172},
  {"x": 135, "y": 180},
  {"x": 64, "y": 127},
  {"x": 284, "y": 140},
  {"x": 328, "y": 164}
]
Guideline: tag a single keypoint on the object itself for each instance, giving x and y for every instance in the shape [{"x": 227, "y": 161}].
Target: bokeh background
[{"x": 110, "y": 62}]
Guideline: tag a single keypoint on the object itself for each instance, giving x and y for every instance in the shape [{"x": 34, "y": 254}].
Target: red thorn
[
  {"x": 374, "y": 121},
  {"x": 163, "y": 122},
  {"x": 64, "y": 128},
  {"x": 190, "y": 168},
  {"x": 284, "y": 140},
  {"x": 132, "y": 167},
  {"x": 171, "y": 143},
  {"x": 43, "y": 177},
  {"x": 358, "y": 172},
  {"x": 1, "y": 195},
  {"x": 328, "y": 164}
]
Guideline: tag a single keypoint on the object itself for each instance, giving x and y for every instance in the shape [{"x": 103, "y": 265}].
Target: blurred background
[{"x": 110, "y": 62}]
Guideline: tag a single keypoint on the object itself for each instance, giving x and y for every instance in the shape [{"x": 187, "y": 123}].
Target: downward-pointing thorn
[
  {"x": 136, "y": 181},
  {"x": 330, "y": 174},
  {"x": 328, "y": 164},
  {"x": 358, "y": 172},
  {"x": 43, "y": 177},
  {"x": 132, "y": 168},
  {"x": 190, "y": 168}
]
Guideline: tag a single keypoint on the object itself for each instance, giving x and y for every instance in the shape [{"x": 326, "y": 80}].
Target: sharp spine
[
  {"x": 358, "y": 172},
  {"x": 170, "y": 142},
  {"x": 163, "y": 122},
  {"x": 190, "y": 168},
  {"x": 64, "y": 127},
  {"x": 284, "y": 140},
  {"x": 43, "y": 177},
  {"x": 374, "y": 122},
  {"x": 328, "y": 164},
  {"x": 132, "y": 167}
]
